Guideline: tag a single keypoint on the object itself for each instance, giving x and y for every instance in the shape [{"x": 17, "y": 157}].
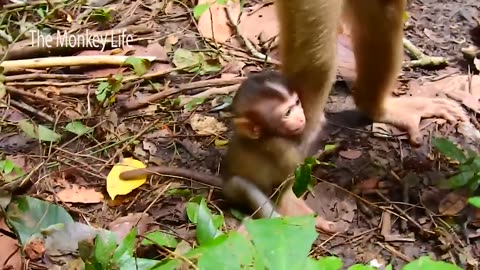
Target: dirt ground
[{"x": 385, "y": 190}]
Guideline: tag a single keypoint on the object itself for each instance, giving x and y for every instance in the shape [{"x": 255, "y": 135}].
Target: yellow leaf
[
  {"x": 219, "y": 142},
  {"x": 117, "y": 186}
]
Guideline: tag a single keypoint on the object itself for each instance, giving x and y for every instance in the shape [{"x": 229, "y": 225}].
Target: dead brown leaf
[
  {"x": 34, "y": 249},
  {"x": 260, "y": 26},
  {"x": 332, "y": 203},
  {"x": 350, "y": 154},
  {"x": 153, "y": 49},
  {"x": 122, "y": 225},
  {"x": 76, "y": 194},
  {"x": 10, "y": 255},
  {"x": 214, "y": 22},
  {"x": 452, "y": 204},
  {"x": 457, "y": 87},
  {"x": 367, "y": 186}
]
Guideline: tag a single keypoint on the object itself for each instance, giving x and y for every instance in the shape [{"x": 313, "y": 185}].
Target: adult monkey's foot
[{"x": 406, "y": 113}]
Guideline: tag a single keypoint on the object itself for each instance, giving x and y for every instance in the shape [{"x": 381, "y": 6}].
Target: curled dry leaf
[
  {"x": 77, "y": 194},
  {"x": 216, "y": 19},
  {"x": 350, "y": 154},
  {"x": 206, "y": 125}
]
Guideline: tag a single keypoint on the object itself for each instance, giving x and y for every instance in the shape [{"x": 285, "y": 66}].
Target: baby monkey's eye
[
  {"x": 289, "y": 111},
  {"x": 297, "y": 102}
]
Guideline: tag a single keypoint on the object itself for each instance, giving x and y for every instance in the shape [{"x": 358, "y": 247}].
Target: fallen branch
[
  {"x": 32, "y": 4},
  {"x": 421, "y": 59},
  {"x": 133, "y": 103},
  {"x": 126, "y": 79},
  {"x": 209, "y": 92},
  {"x": 47, "y": 100},
  {"x": 49, "y": 62},
  {"x": 45, "y": 76},
  {"x": 30, "y": 109}
]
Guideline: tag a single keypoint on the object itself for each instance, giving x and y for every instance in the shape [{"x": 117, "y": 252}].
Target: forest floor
[{"x": 387, "y": 192}]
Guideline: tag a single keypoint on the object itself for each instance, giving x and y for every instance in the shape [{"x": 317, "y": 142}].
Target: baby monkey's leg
[{"x": 377, "y": 32}]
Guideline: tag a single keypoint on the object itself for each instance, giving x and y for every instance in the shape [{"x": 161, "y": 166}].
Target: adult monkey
[{"x": 308, "y": 31}]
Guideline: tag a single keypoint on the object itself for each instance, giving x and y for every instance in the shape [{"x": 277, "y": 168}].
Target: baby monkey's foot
[
  {"x": 406, "y": 113},
  {"x": 290, "y": 205}
]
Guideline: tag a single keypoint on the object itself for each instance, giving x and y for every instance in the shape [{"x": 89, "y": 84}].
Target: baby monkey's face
[{"x": 291, "y": 118}]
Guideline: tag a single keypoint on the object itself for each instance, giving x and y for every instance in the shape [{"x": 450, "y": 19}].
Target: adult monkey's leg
[
  {"x": 308, "y": 30},
  {"x": 377, "y": 32}
]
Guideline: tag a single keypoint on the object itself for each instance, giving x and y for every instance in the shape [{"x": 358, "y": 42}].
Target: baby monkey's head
[{"x": 264, "y": 105}]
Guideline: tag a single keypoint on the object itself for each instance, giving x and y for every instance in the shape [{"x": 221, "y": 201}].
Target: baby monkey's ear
[{"x": 245, "y": 127}]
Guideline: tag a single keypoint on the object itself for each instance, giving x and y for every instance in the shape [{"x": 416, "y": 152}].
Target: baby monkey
[{"x": 265, "y": 149}]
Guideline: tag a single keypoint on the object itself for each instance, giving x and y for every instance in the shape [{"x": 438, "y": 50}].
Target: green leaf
[
  {"x": 194, "y": 102},
  {"x": 303, "y": 176},
  {"x": 126, "y": 247},
  {"x": 284, "y": 243},
  {"x": 330, "y": 263},
  {"x": 29, "y": 216},
  {"x": 475, "y": 201},
  {"x": 160, "y": 239},
  {"x": 232, "y": 251},
  {"x": 460, "y": 180},
  {"x": 123, "y": 255},
  {"x": 329, "y": 147},
  {"x": 7, "y": 166},
  {"x": 39, "y": 132},
  {"x": 102, "y": 91},
  {"x": 206, "y": 229},
  {"x": 108, "y": 88},
  {"x": 222, "y": 2},
  {"x": 195, "y": 62},
  {"x": 425, "y": 263},
  {"x": 185, "y": 58},
  {"x": 140, "y": 65},
  {"x": 449, "y": 149},
  {"x": 198, "y": 10},
  {"x": 76, "y": 127},
  {"x": 105, "y": 245},
  {"x": 389, "y": 267}
]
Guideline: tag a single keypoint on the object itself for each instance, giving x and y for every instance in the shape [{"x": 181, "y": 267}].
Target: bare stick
[
  {"x": 210, "y": 92},
  {"x": 48, "y": 62},
  {"x": 421, "y": 59},
  {"x": 31, "y": 109},
  {"x": 43, "y": 76},
  {"x": 35, "y": 97},
  {"x": 137, "y": 103}
]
